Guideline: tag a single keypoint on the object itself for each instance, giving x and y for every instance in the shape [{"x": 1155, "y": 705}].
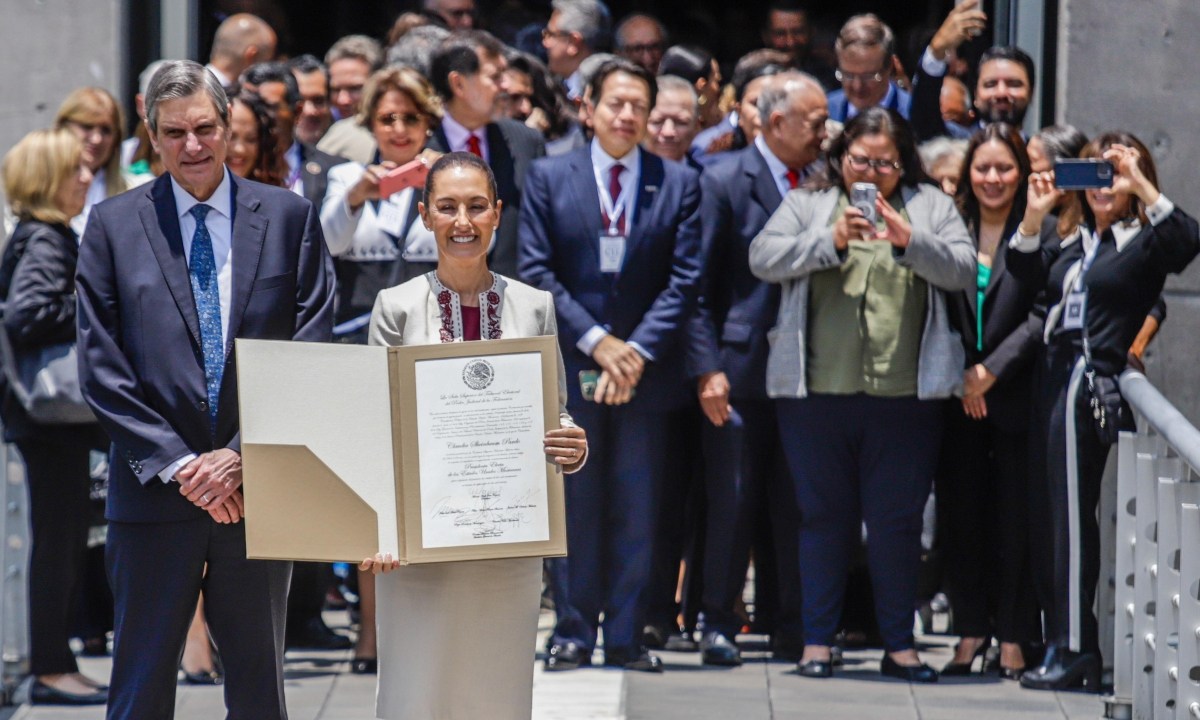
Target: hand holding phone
[
  {"x": 862, "y": 196},
  {"x": 410, "y": 174}
]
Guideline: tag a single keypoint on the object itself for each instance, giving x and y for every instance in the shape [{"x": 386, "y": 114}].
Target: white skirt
[{"x": 456, "y": 640}]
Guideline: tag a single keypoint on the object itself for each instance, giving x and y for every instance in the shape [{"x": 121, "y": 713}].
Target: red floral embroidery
[
  {"x": 446, "y": 304},
  {"x": 451, "y": 311},
  {"x": 491, "y": 329}
]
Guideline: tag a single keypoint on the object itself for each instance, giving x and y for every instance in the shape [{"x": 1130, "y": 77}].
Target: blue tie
[{"x": 203, "y": 274}]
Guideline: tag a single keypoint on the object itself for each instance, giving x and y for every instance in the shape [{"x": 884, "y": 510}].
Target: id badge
[
  {"x": 1073, "y": 310},
  {"x": 391, "y": 219},
  {"x": 612, "y": 253}
]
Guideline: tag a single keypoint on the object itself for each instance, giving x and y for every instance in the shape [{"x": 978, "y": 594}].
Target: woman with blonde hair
[
  {"x": 95, "y": 117},
  {"x": 46, "y": 178}
]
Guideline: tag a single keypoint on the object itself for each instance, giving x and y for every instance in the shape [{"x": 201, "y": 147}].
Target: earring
[
  {"x": 702, "y": 100},
  {"x": 428, "y": 133}
]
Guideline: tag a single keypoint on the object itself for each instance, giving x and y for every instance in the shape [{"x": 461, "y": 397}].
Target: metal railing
[{"x": 1154, "y": 574}]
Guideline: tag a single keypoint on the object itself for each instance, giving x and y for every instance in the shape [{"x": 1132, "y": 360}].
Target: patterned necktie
[
  {"x": 473, "y": 146},
  {"x": 793, "y": 178},
  {"x": 614, "y": 194},
  {"x": 203, "y": 273}
]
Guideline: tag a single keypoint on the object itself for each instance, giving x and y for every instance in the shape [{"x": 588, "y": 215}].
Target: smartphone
[
  {"x": 1083, "y": 174},
  {"x": 410, "y": 174},
  {"x": 587, "y": 384},
  {"x": 862, "y": 196}
]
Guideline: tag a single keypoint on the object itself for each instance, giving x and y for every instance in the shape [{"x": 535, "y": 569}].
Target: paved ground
[{"x": 319, "y": 687}]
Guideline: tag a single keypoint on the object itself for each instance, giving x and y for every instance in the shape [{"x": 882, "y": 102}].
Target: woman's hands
[
  {"x": 566, "y": 446},
  {"x": 898, "y": 232},
  {"x": 977, "y": 380},
  {"x": 367, "y": 187},
  {"x": 1041, "y": 199},
  {"x": 381, "y": 563},
  {"x": 1128, "y": 176},
  {"x": 852, "y": 225}
]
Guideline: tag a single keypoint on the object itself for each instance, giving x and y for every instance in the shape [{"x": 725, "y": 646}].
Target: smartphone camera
[
  {"x": 1083, "y": 174},
  {"x": 862, "y": 196}
]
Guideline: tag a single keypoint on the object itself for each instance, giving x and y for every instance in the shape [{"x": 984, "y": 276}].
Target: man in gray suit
[{"x": 467, "y": 70}]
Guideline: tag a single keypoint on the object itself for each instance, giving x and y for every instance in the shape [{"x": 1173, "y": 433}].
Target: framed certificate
[{"x": 431, "y": 452}]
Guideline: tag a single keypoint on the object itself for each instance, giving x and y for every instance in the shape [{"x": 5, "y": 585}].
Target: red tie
[
  {"x": 614, "y": 193},
  {"x": 473, "y": 146},
  {"x": 793, "y": 178}
]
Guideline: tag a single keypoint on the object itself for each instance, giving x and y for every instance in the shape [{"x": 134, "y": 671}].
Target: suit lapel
[
  {"x": 649, "y": 187},
  {"x": 161, "y": 223},
  {"x": 501, "y": 160},
  {"x": 763, "y": 187},
  {"x": 249, "y": 231},
  {"x": 586, "y": 197},
  {"x": 438, "y": 141}
]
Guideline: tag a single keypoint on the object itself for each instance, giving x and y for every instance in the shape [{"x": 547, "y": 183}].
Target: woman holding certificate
[{"x": 456, "y": 639}]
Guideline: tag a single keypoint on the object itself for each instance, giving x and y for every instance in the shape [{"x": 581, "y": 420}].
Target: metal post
[
  {"x": 1144, "y": 587},
  {"x": 1188, "y": 689},
  {"x": 1166, "y": 664},
  {"x": 1120, "y": 703}
]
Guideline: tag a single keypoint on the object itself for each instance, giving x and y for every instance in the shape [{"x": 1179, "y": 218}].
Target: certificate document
[{"x": 480, "y": 425}]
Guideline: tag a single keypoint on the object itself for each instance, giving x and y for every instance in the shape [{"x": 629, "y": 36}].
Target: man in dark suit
[
  {"x": 169, "y": 274},
  {"x": 727, "y": 355},
  {"x": 467, "y": 70},
  {"x": 612, "y": 232},
  {"x": 866, "y": 50}
]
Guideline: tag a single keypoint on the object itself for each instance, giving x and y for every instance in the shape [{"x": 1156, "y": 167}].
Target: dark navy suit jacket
[
  {"x": 901, "y": 102},
  {"x": 140, "y": 359},
  {"x": 649, "y": 301},
  {"x": 729, "y": 329}
]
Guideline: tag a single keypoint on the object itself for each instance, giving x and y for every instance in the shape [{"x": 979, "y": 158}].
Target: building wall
[
  {"x": 51, "y": 47},
  {"x": 1132, "y": 65}
]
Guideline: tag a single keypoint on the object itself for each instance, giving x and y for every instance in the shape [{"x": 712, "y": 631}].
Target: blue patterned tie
[{"x": 203, "y": 274}]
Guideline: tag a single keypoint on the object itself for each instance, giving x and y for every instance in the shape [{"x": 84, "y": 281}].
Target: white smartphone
[{"x": 862, "y": 196}]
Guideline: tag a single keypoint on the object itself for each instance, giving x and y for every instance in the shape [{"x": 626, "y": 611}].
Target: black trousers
[
  {"x": 983, "y": 528},
  {"x": 856, "y": 459},
  {"x": 157, "y": 572},
  {"x": 1075, "y": 459},
  {"x": 56, "y": 470},
  {"x": 751, "y": 503}
]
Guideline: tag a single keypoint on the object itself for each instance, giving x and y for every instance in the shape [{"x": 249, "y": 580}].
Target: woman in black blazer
[
  {"x": 47, "y": 181},
  {"x": 983, "y": 474}
]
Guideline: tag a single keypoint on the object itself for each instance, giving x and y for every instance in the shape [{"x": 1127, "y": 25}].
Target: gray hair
[
  {"x": 415, "y": 48},
  {"x": 780, "y": 92},
  {"x": 356, "y": 47},
  {"x": 591, "y": 64},
  {"x": 179, "y": 79},
  {"x": 938, "y": 149},
  {"x": 866, "y": 31},
  {"x": 673, "y": 83},
  {"x": 619, "y": 35},
  {"x": 590, "y": 18}
]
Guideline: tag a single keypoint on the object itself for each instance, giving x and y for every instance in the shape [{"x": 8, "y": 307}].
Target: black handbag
[
  {"x": 1108, "y": 409},
  {"x": 45, "y": 381}
]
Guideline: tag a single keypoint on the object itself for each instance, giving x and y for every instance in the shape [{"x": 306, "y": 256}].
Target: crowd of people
[{"x": 793, "y": 306}]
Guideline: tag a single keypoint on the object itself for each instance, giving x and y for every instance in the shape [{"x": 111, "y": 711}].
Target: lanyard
[{"x": 612, "y": 210}]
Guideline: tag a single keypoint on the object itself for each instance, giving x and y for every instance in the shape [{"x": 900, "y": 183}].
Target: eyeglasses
[
  {"x": 882, "y": 167},
  {"x": 846, "y": 77},
  {"x": 547, "y": 33},
  {"x": 392, "y": 119},
  {"x": 642, "y": 49}
]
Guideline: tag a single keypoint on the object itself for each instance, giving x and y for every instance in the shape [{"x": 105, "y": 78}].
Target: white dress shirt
[
  {"x": 779, "y": 171},
  {"x": 630, "y": 177},
  {"x": 224, "y": 79},
  {"x": 456, "y": 137},
  {"x": 97, "y": 192},
  {"x": 219, "y": 222}
]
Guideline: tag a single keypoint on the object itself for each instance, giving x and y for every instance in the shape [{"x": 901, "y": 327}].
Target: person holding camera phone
[
  {"x": 1100, "y": 283},
  {"x": 862, "y": 359}
]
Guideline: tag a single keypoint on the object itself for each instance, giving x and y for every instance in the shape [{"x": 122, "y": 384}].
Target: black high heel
[
  {"x": 959, "y": 669},
  {"x": 1064, "y": 669}
]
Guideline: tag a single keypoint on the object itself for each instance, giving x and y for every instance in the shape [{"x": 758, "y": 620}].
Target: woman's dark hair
[
  {"x": 458, "y": 160},
  {"x": 548, "y": 95},
  {"x": 1061, "y": 141},
  {"x": 965, "y": 199},
  {"x": 690, "y": 62},
  {"x": 270, "y": 165},
  {"x": 874, "y": 121},
  {"x": 1078, "y": 210}
]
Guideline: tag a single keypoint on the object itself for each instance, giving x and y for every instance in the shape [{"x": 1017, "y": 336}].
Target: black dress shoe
[
  {"x": 815, "y": 669},
  {"x": 364, "y": 666},
  {"x": 42, "y": 694},
  {"x": 909, "y": 673},
  {"x": 959, "y": 669},
  {"x": 640, "y": 661},
  {"x": 1064, "y": 669},
  {"x": 566, "y": 656},
  {"x": 314, "y": 634},
  {"x": 716, "y": 649}
]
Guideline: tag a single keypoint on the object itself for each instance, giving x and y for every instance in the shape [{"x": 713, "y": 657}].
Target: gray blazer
[{"x": 798, "y": 241}]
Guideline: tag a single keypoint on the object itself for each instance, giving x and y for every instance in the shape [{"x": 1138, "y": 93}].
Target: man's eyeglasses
[
  {"x": 642, "y": 49},
  {"x": 846, "y": 77},
  {"x": 882, "y": 167},
  {"x": 393, "y": 119},
  {"x": 547, "y": 33}
]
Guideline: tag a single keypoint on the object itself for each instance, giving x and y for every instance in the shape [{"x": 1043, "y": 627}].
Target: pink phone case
[{"x": 410, "y": 174}]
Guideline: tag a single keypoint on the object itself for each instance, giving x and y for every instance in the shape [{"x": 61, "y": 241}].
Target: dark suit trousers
[
  {"x": 983, "y": 528},
  {"x": 855, "y": 459},
  {"x": 157, "y": 571},
  {"x": 612, "y": 509},
  {"x": 56, "y": 473},
  {"x": 747, "y": 486}
]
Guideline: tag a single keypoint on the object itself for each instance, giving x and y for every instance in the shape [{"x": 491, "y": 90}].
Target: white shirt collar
[
  {"x": 778, "y": 170},
  {"x": 224, "y": 79},
  {"x": 221, "y": 200},
  {"x": 574, "y": 83},
  {"x": 602, "y": 161},
  {"x": 457, "y": 134}
]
